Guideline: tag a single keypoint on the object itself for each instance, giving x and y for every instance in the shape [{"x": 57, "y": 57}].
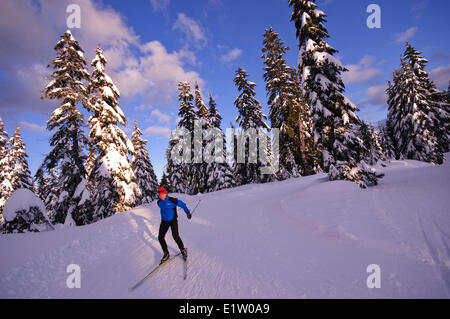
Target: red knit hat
[{"x": 162, "y": 190}]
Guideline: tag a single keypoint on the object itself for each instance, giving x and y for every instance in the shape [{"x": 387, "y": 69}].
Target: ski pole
[{"x": 195, "y": 207}]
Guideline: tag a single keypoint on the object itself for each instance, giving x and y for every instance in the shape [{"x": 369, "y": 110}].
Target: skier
[{"x": 168, "y": 206}]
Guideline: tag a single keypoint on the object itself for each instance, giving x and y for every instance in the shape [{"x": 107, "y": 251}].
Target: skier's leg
[
  {"x": 163, "y": 228},
  {"x": 175, "y": 235}
]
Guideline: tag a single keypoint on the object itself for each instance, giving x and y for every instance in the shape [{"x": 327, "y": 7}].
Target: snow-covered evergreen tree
[
  {"x": 176, "y": 170},
  {"x": 215, "y": 119},
  {"x": 182, "y": 175},
  {"x": 288, "y": 111},
  {"x": 441, "y": 105},
  {"x": 112, "y": 178},
  {"x": 333, "y": 114},
  {"x": 6, "y": 188},
  {"x": 202, "y": 109},
  {"x": 51, "y": 191},
  {"x": 25, "y": 212},
  {"x": 219, "y": 174},
  {"x": 143, "y": 168},
  {"x": 41, "y": 184},
  {"x": 67, "y": 157},
  {"x": 90, "y": 159},
  {"x": 372, "y": 149},
  {"x": 375, "y": 147},
  {"x": 251, "y": 120},
  {"x": 186, "y": 112},
  {"x": 165, "y": 181},
  {"x": 411, "y": 130},
  {"x": 309, "y": 157},
  {"x": 199, "y": 177},
  {"x": 279, "y": 92},
  {"x": 385, "y": 143},
  {"x": 21, "y": 175},
  {"x": 249, "y": 109},
  {"x": 436, "y": 109}
]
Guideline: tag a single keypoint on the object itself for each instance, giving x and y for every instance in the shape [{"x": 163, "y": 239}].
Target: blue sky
[{"x": 153, "y": 44}]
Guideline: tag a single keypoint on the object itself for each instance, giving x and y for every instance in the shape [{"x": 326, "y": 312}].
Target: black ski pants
[{"x": 163, "y": 228}]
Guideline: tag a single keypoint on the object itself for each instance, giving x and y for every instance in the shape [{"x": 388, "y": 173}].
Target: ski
[
  {"x": 185, "y": 266},
  {"x": 153, "y": 270}
]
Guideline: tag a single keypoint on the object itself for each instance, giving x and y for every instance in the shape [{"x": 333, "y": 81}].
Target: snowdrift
[{"x": 301, "y": 238}]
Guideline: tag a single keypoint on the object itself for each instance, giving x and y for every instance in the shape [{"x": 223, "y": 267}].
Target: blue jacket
[{"x": 169, "y": 207}]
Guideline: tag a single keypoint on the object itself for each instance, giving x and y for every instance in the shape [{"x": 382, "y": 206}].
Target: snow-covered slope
[{"x": 300, "y": 238}]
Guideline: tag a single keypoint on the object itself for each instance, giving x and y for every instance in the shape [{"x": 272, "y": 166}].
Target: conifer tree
[
  {"x": 185, "y": 171},
  {"x": 251, "y": 121},
  {"x": 288, "y": 112},
  {"x": 278, "y": 90},
  {"x": 410, "y": 128},
  {"x": 215, "y": 119},
  {"x": 372, "y": 150},
  {"x": 386, "y": 143},
  {"x": 202, "y": 110},
  {"x": 41, "y": 184},
  {"x": 176, "y": 168},
  {"x": 143, "y": 168},
  {"x": 333, "y": 114},
  {"x": 199, "y": 177},
  {"x": 165, "y": 181},
  {"x": 308, "y": 155},
  {"x": 6, "y": 188},
  {"x": 375, "y": 146},
  {"x": 90, "y": 159},
  {"x": 68, "y": 142},
  {"x": 21, "y": 175},
  {"x": 186, "y": 112},
  {"x": 29, "y": 216},
  {"x": 441, "y": 104},
  {"x": 112, "y": 178},
  {"x": 249, "y": 109},
  {"x": 436, "y": 109},
  {"x": 219, "y": 174}
]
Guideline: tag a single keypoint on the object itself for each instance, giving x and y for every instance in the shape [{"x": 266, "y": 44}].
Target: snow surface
[
  {"x": 300, "y": 238},
  {"x": 22, "y": 199}
]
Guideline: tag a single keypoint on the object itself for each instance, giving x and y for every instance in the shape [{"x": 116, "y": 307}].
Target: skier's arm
[{"x": 183, "y": 205}]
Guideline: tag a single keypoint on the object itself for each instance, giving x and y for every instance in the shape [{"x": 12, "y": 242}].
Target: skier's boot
[
  {"x": 166, "y": 256},
  {"x": 184, "y": 253}
]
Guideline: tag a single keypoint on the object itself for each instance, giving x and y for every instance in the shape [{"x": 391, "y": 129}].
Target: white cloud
[
  {"x": 376, "y": 96},
  {"x": 418, "y": 9},
  {"x": 363, "y": 71},
  {"x": 32, "y": 127},
  {"x": 138, "y": 69},
  {"x": 157, "y": 130},
  {"x": 441, "y": 77},
  {"x": 160, "y": 116},
  {"x": 402, "y": 37},
  {"x": 159, "y": 5},
  {"x": 231, "y": 55},
  {"x": 143, "y": 107},
  {"x": 192, "y": 30},
  {"x": 155, "y": 74},
  {"x": 439, "y": 57}
]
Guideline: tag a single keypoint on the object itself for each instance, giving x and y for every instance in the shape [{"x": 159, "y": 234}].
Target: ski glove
[{"x": 189, "y": 216}]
